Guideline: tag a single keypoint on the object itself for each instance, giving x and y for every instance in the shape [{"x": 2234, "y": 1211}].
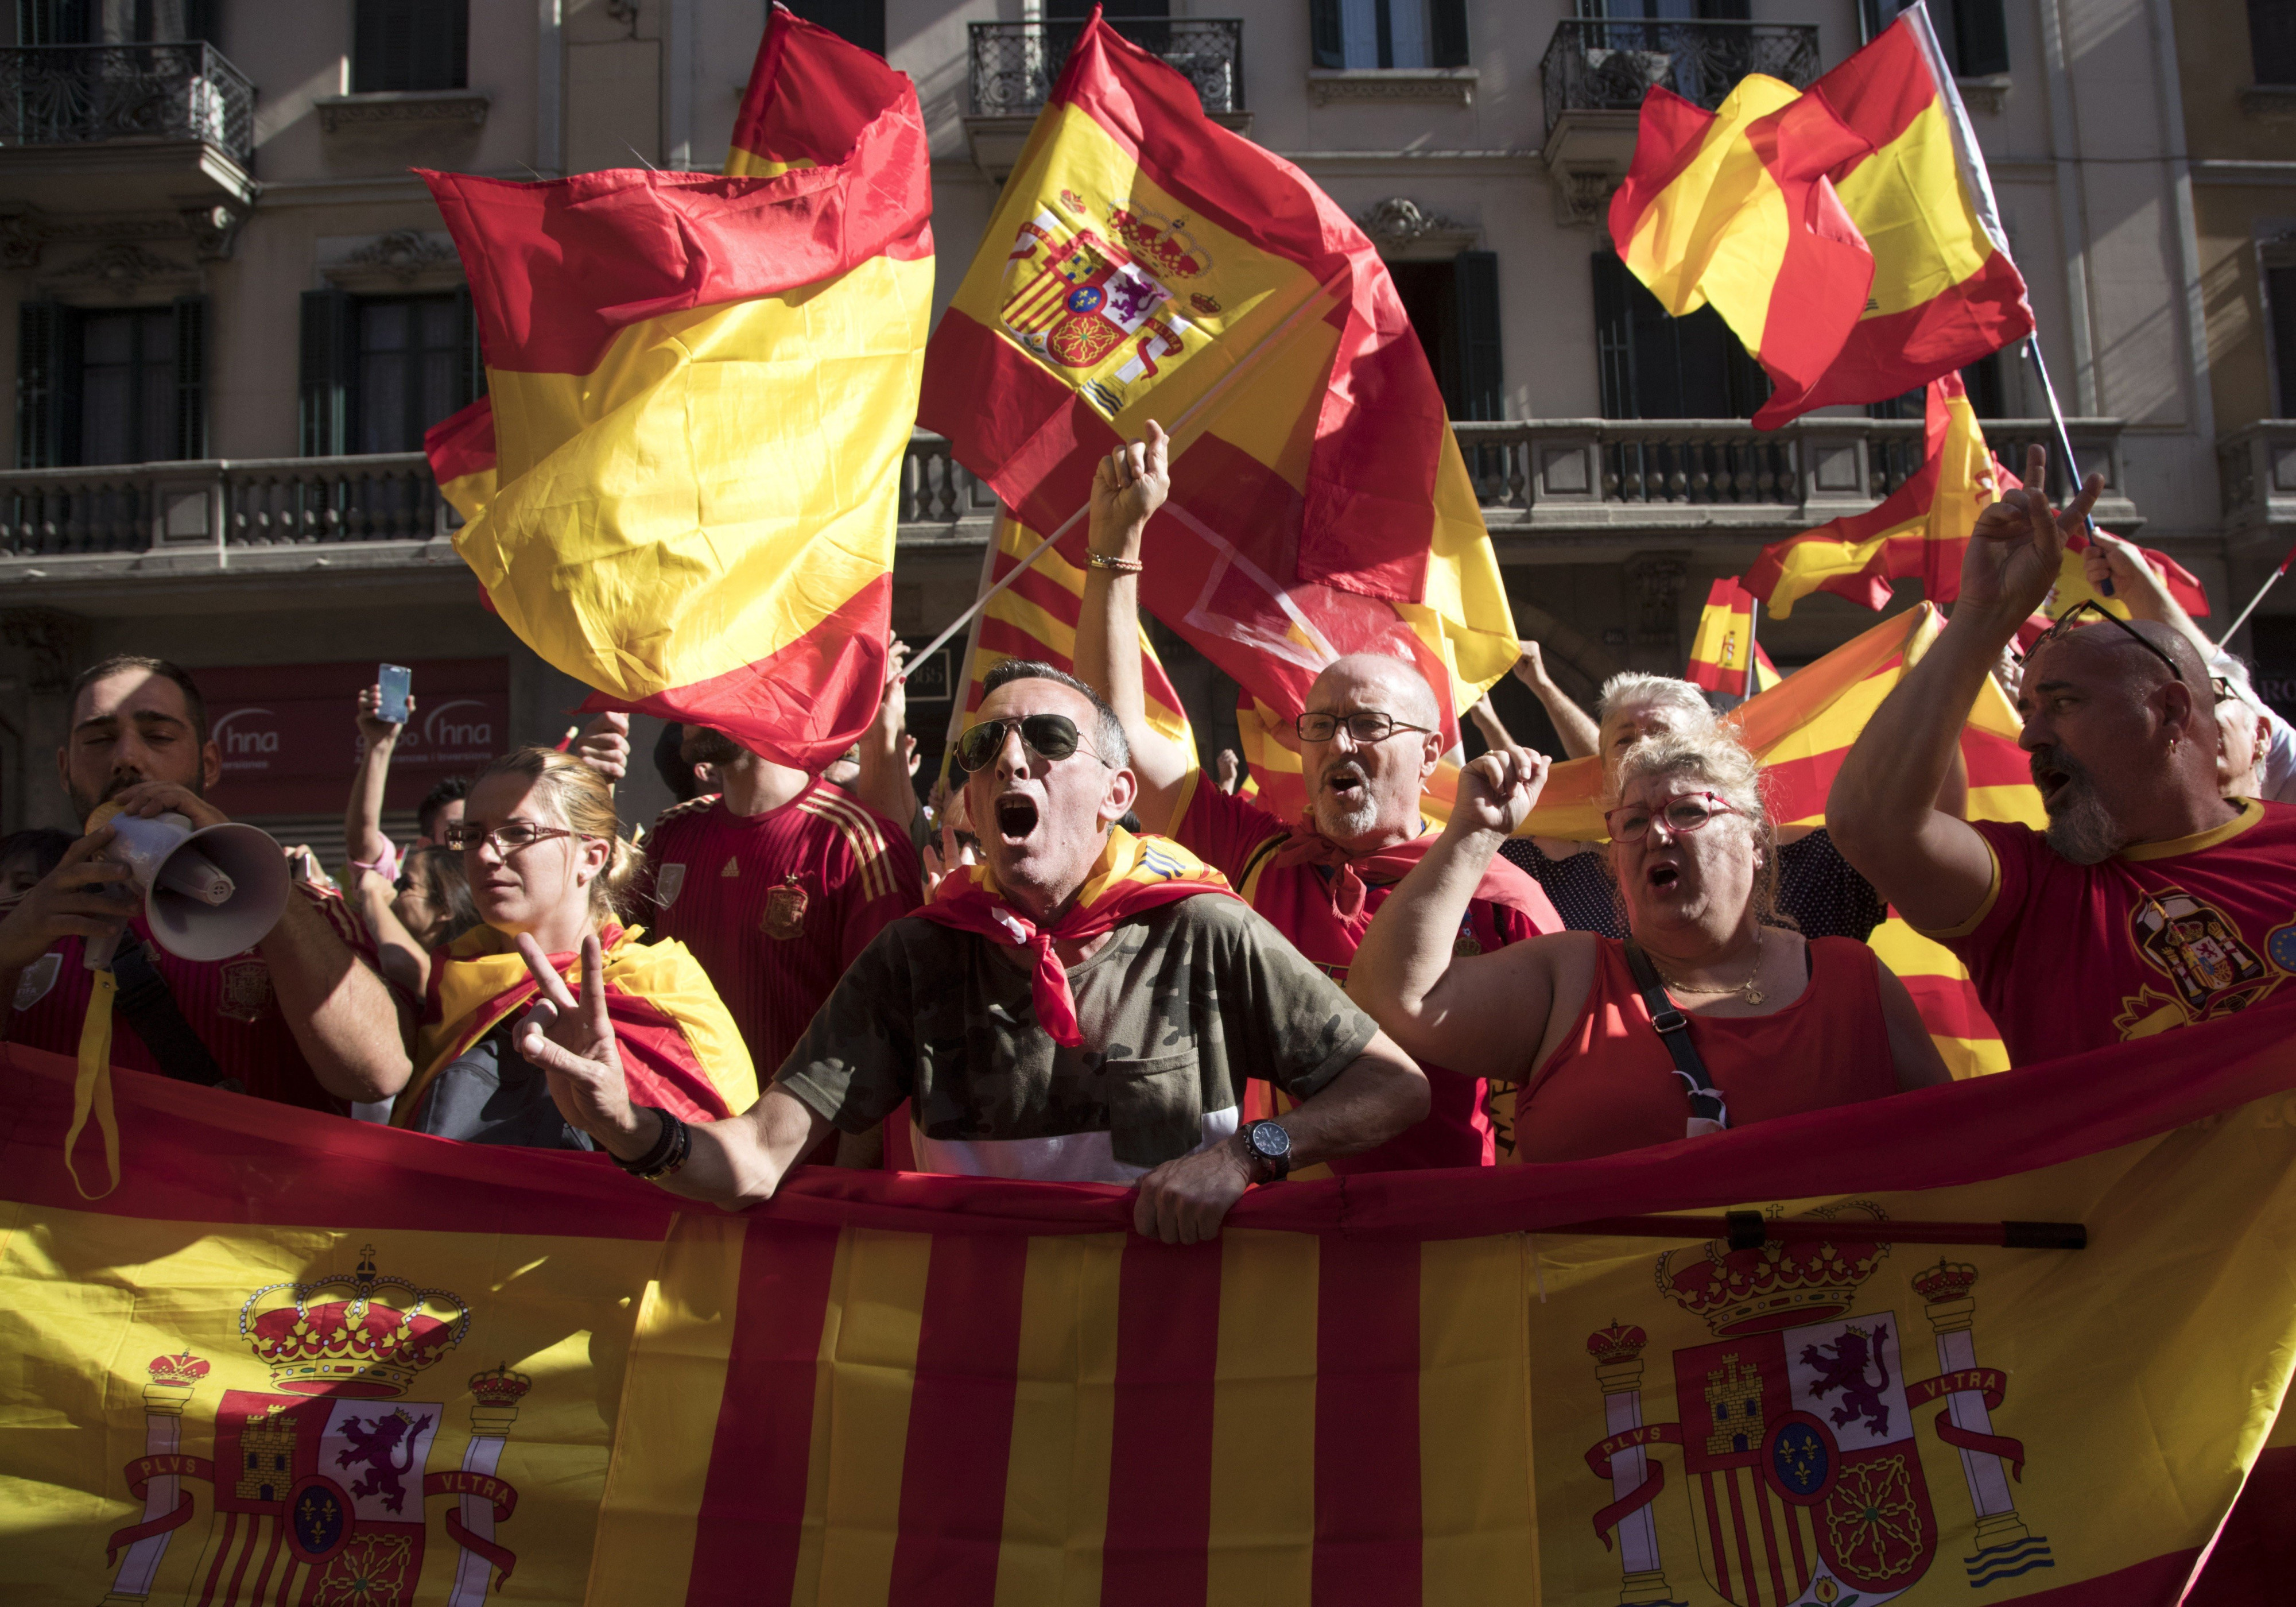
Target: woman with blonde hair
[
  {"x": 1710, "y": 1013},
  {"x": 548, "y": 871}
]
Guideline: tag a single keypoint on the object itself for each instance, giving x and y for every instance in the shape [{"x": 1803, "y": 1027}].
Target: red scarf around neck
[{"x": 1502, "y": 883}]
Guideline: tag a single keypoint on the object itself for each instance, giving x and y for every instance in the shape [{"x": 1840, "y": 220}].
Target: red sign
[{"x": 289, "y": 738}]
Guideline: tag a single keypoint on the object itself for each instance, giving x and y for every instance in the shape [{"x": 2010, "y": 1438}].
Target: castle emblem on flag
[
  {"x": 1099, "y": 307},
  {"x": 1797, "y": 1427},
  {"x": 319, "y": 1483}
]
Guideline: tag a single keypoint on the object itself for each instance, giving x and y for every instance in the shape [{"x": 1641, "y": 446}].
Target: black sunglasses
[
  {"x": 2218, "y": 685},
  {"x": 1053, "y": 736}
]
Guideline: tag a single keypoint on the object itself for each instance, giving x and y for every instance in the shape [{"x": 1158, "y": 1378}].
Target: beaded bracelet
[{"x": 1122, "y": 566}]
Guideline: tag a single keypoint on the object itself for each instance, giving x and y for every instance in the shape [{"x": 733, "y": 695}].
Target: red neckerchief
[
  {"x": 1389, "y": 866},
  {"x": 1132, "y": 874}
]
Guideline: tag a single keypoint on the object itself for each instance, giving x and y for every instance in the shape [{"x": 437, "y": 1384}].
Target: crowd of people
[{"x": 1091, "y": 961}]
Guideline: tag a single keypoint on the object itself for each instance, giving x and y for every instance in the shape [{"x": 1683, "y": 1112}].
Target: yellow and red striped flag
[
  {"x": 702, "y": 389},
  {"x": 461, "y": 448},
  {"x": 1036, "y": 617},
  {"x": 301, "y": 1359},
  {"x": 1732, "y": 209},
  {"x": 1919, "y": 531},
  {"x": 1143, "y": 262},
  {"x": 1724, "y": 653},
  {"x": 1944, "y": 291}
]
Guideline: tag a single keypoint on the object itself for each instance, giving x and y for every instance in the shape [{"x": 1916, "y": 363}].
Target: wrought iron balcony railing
[
  {"x": 1597, "y": 65},
  {"x": 77, "y": 94},
  {"x": 1016, "y": 64}
]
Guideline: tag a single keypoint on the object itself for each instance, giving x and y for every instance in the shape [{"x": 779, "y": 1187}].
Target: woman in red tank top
[{"x": 1776, "y": 1024}]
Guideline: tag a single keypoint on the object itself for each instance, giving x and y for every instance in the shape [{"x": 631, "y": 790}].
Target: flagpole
[
  {"x": 961, "y": 680},
  {"x": 2271, "y": 581},
  {"x": 1267, "y": 342},
  {"x": 2064, "y": 440},
  {"x": 1752, "y": 683}
]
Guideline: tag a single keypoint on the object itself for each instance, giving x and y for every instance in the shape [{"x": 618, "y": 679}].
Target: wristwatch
[{"x": 1269, "y": 1147}]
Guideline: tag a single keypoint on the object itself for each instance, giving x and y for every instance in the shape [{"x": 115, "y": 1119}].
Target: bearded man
[
  {"x": 1085, "y": 1007},
  {"x": 1369, "y": 738},
  {"x": 2152, "y": 901}
]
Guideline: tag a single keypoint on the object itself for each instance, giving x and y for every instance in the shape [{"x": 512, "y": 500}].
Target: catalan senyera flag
[
  {"x": 1732, "y": 209},
  {"x": 296, "y": 1358},
  {"x": 701, "y": 391},
  {"x": 1919, "y": 531},
  {"x": 1142, "y": 263},
  {"x": 461, "y": 448},
  {"x": 1723, "y": 651},
  {"x": 1036, "y": 617},
  {"x": 1943, "y": 291}
]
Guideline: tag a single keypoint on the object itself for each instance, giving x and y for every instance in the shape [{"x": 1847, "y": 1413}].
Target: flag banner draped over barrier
[
  {"x": 701, "y": 388},
  {"x": 295, "y": 1358},
  {"x": 1145, "y": 263}
]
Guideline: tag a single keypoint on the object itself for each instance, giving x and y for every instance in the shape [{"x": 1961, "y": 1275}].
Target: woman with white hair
[{"x": 1760, "y": 1023}]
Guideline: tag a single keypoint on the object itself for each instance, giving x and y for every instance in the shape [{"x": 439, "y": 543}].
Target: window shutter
[
  {"x": 369, "y": 28},
  {"x": 862, "y": 21},
  {"x": 1981, "y": 37},
  {"x": 1446, "y": 26},
  {"x": 1614, "y": 337},
  {"x": 326, "y": 363},
  {"x": 199, "y": 22},
  {"x": 35, "y": 384},
  {"x": 472, "y": 376},
  {"x": 1327, "y": 40},
  {"x": 191, "y": 376},
  {"x": 1482, "y": 378}
]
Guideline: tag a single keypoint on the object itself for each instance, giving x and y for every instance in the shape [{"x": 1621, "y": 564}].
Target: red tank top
[{"x": 1611, "y": 1085}]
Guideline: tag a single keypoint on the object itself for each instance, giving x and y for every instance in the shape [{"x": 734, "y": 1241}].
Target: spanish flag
[
  {"x": 703, "y": 388},
  {"x": 1919, "y": 531},
  {"x": 1143, "y": 262},
  {"x": 1732, "y": 209},
  {"x": 1036, "y": 617},
  {"x": 1723, "y": 652},
  {"x": 461, "y": 448},
  {"x": 302, "y": 1359},
  {"x": 1944, "y": 291}
]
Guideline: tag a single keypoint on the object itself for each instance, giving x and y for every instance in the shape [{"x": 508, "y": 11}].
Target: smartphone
[{"x": 395, "y": 680}]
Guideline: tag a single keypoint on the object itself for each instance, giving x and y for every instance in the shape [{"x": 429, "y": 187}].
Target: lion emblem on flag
[{"x": 1097, "y": 306}]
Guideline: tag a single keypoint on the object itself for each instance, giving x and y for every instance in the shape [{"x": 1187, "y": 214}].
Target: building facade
[{"x": 236, "y": 308}]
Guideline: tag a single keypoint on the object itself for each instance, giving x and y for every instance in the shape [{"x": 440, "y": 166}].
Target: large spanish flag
[
  {"x": 296, "y": 1358},
  {"x": 1143, "y": 262},
  {"x": 1732, "y": 209},
  {"x": 1943, "y": 291},
  {"x": 701, "y": 391}
]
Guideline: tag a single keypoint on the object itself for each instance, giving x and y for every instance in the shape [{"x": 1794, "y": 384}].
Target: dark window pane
[
  {"x": 858, "y": 21},
  {"x": 410, "y": 373},
  {"x": 1429, "y": 295},
  {"x": 2280, "y": 312},
  {"x": 2272, "y": 40},
  {"x": 128, "y": 391},
  {"x": 399, "y": 45}
]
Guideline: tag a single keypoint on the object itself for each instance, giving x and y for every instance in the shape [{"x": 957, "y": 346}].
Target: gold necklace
[{"x": 1746, "y": 991}]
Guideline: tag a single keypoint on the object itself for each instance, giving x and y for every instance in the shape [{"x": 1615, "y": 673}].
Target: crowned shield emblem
[
  {"x": 246, "y": 991},
  {"x": 784, "y": 917},
  {"x": 667, "y": 883},
  {"x": 1099, "y": 304}
]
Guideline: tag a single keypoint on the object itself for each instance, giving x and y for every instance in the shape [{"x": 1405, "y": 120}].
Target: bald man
[
  {"x": 2152, "y": 901},
  {"x": 1369, "y": 739}
]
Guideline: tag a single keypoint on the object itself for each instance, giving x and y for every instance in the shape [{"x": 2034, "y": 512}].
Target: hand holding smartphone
[{"x": 395, "y": 680}]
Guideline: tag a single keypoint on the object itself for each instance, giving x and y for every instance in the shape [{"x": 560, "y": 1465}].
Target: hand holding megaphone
[{"x": 207, "y": 892}]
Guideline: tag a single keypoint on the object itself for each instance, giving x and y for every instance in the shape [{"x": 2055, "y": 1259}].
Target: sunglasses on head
[
  {"x": 2066, "y": 624},
  {"x": 1052, "y": 736}
]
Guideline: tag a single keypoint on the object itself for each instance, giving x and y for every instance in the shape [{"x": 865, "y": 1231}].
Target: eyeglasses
[
  {"x": 508, "y": 838},
  {"x": 1366, "y": 725},
  {"x": 2065, "y": 624},
  {"x": 1052, "y": 736},
  {"x": 1631, "y": 823}
]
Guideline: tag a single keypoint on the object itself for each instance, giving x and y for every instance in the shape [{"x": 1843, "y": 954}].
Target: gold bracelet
[{"x": 1122, "y": 566}]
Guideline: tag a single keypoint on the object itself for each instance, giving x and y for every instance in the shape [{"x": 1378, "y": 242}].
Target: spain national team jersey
[
  {"x": 776, "y": 905},
  {"x": 2068, "y": 957},
  {"x": 1466, "y": 1123},
  {"x": 228, "y": 1004}
]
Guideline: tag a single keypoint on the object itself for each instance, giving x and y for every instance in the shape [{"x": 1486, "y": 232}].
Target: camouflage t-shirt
[{"x": 1177, "y": 1009}]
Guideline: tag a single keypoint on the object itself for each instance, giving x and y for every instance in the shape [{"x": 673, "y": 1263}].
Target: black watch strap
[{"x": 1264, "y": 1167}]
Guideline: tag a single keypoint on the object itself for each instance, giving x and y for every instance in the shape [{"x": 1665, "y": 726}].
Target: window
[
  {"x": 1986, "y": 381},
  {"x": 93, "y": 22},
  {"x": 2272, "y": 40},
  {"x": 378, "y": 370},
  {"x": 1453, "y": 308},
  {"x": 1655, "y": 366},
  {"x": 116, "y": 386},
  {"x": 856, "y": 21},
  {"x": 1974, "y": 33},
  {"x": 1373, "y": 34},
  {"x": 400, "y": 45},
  {"x": 2280, "y": 323}
]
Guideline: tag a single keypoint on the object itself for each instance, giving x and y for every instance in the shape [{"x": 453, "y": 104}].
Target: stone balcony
[
  {"x": 1013, "y": 66},
  {"x": 2258, "y": 468}
]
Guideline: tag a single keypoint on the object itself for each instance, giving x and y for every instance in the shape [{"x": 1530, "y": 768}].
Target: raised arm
[
  {"x": 733, "y": 1163},
  {"x": 1486, "y": 1010},
  {"x": 884, "y": 783},
  {"x": 1130, "y": 486},
  {"x": 364, "y": 842},
  {"x": 1579, "y": 733},
  {"x": 1882, "y": 811}
]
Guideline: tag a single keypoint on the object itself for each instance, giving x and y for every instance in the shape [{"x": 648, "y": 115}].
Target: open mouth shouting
[
  {"x": 1347, "y": 783},
  {"x": 1017, "y": 817},
  {"x": 2054, "y": 776},
  {"x": 1662, "y": 876}
]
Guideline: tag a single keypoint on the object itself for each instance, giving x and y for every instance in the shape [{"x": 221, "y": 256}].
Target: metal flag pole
[
  {"x": 2064, "y": 441},
  {"x": 2271, "y": 581}
]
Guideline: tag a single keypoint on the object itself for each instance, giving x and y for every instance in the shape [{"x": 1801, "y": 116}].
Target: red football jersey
[
  {"x": 776, "y": 905},
  {"x": 2068, "y": 957},
  {"x": 1464, "y": 1126},
  {"x": 227, "y": 1003}
]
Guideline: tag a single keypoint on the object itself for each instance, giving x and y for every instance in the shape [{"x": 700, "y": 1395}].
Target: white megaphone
[{"x": 207, "y": 895}]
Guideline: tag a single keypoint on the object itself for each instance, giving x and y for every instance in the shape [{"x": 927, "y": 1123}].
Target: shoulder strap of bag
[
  {"x": 1706, "y": 1102},
  {"x": 144, "y": 1002}
]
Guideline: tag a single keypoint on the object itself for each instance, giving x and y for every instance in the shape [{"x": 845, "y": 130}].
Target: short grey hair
[
  {"x": 1108, "y": 737},
  {"x": 1632, "y": 686},
  {"x": 1718, "y": 758}
]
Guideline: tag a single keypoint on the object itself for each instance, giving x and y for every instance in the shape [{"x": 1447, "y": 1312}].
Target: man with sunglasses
[
  {"x": 1369, "y": 738},
  {"x": 2152, "y": 901},
  {"x": 1085, "y": 1007}
]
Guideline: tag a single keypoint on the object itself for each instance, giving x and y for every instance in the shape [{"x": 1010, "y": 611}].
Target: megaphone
[{"x": 207, "y": 894}]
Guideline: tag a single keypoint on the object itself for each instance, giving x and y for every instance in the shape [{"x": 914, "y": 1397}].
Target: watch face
[{"x": 1270, "y": 1140}]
